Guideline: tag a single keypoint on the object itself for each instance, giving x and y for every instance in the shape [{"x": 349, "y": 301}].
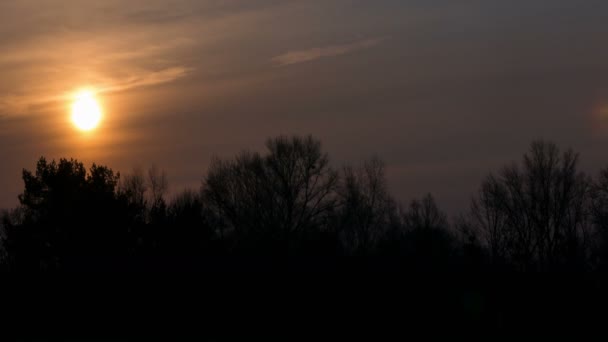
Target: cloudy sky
[{"x": 443, "y": 91}]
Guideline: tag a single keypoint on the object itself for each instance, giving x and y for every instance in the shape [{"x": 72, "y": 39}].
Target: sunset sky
[{"x": 443, "y": 91}]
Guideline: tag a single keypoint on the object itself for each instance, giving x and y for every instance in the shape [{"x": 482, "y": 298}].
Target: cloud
[
  {"x": 17, "y": 104},
  {"x": 302, "y": 56},
  {"x": 109, "y": 64},
  {"x": 51, "y": 50},
  {"x": 147, "y": 79}
]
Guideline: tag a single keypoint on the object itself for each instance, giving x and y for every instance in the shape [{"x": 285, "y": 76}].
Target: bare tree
[
  {"x": 145, "y": 193},
  {"x": 133, "y": 187},
  {"x": 425, "y": 214},
  {"x": 367, "y": 211},
  {"x": 303, "y": 181},
  {"x": 236, "y": 191},
  {"x": 144, "y": 190},
  {"x": 536, "y": 214},
  {"x": 278, "y": 195},
  {"x": 599, "y": 211},
  {"x": 490, "y": 220},
  {"x": 426, "y": 241},
  {"x": 157, "y": 183}
]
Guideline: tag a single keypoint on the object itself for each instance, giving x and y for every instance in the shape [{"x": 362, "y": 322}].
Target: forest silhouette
[
  {"x": 338, "y": 244},
  {"x": 287, "y": 208}
]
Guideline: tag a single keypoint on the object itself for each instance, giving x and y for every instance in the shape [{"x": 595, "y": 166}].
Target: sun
[{"x": 86, "y": 112}]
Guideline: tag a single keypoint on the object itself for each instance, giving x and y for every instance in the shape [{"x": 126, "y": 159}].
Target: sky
[{"x": 443, "y": 91}]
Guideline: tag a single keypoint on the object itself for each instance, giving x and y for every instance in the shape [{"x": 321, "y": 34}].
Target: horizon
[{"x": 174, "y": 192}]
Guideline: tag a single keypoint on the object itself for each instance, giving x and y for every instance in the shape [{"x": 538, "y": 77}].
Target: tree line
[{"x": 289, "y": 208}]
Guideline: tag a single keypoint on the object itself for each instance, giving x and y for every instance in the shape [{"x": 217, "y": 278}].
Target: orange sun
[{"x": 86, "y": 112}]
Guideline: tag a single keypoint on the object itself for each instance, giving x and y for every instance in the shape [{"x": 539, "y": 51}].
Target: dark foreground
[{"x": 301, "y": 306}]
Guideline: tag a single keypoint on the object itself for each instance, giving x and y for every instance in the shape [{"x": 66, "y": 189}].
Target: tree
[
  {"x": 425, "y": 214},
  {"x": 490, "y": 221},
  {"x": 158, "y": 183},
  {"x": 65, "y": 214},
  {"x": 145, "y": 193},
  {"x": 132, "y": 188},
  {"x": 426, "y": 242},
  {"x": 599, "y": 211},
  {"x": 472, "y": 252},
  {"x": 535, "y": 215},
  {"x": 189, "y": 228},
  {"x": 279, "y": 197},
  {"x": 367, "y": 211},
  {"x": 9, "y": 220}
]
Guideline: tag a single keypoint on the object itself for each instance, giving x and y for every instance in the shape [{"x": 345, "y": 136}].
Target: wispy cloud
[
  {"x": 302, "y": 56},
  {"x": 109, "y": 66},
  {"x": 147, "y": 79},
  {"x": 20, "y": 103},
  {"x": 51, "y": 49}
]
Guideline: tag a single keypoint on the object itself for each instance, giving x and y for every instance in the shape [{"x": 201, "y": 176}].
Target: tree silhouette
[
  {"x": 289, "y": 204},
  {"x": 66, "y": 213},
  {"x": 425, "y": 215},
  {"x": 599, "y": 212},
  {"x": 189, "y": 230},
  {"x": 287, "y": 209},
  {"x": 281, "y": 197},
  {"x": 367, "y": 212},
  {"x": 535, "y": 215},
  {"x": 132, "y": 189},
  {"x": 423, "y": 240}
]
